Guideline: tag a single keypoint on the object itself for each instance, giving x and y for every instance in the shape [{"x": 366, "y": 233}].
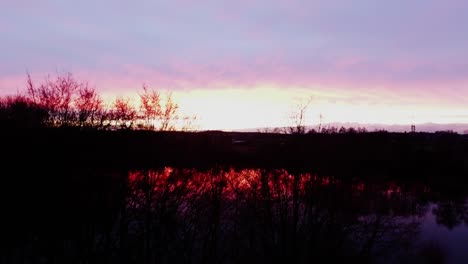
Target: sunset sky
[{"x": 241, "y": 64}]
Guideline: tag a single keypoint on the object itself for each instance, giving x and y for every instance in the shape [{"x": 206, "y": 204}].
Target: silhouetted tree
[
  {"x": 169, "y": 114},
  {"x": 150, "y": 106},
  {"x": 331, "y": 130},
  {"x": 89, "y": 106},
  {"x": 298, "y": 117},
  {"x": 123, "y": 113},
  {"x": 162, "y": 117},
  {"x": 65, "y": 101},
  {"x": 56, "y": 95},
  {"x": 361, "y": 130},
  {"x": 188, "y": 123},
  {"x": 21, "y": 112}
]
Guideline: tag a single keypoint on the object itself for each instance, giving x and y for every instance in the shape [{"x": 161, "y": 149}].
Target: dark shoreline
[{"x": 126, "y": 149}]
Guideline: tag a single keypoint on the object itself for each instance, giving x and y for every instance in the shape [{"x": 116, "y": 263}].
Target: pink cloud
[
  {"x": 13, "y": 84},
  {"x": 408, "y": 79}
]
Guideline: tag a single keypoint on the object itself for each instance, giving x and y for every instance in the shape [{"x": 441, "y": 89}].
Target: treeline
[
  {"x": 64, "y": 101},
  {"x": 321, "y": 130}
]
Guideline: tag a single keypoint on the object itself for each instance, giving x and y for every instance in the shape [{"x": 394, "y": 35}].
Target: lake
[{"x": 227, "y": 215}]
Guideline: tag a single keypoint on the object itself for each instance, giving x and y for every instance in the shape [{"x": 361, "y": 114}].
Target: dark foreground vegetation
[
  {"x": 73, "y": 195},
  {"x": 90, "y": 185},
  {"x": 171, "y": 215}
]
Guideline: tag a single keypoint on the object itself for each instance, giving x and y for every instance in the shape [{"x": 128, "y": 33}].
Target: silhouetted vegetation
[
  {"x": 88, "y": 183},
  {"x": 64, "y": 101},
  {"x": 218, "y": 215},
  {"x": 20, "y": 111}
]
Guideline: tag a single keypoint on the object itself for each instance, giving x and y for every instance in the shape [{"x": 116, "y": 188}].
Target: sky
[{"x": 245, "y": 63}]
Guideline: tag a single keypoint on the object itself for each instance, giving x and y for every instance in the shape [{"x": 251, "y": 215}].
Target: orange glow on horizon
[
  {"x": 268, "y": 105},
  {"x": 250, "y": 108}
]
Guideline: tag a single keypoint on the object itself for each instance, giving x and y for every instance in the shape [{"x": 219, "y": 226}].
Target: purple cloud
[{"x": 405, "y": 47}]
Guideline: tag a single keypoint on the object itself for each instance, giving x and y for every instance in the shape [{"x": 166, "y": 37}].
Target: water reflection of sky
[
  {"x": 368, "y": 220},
  {"x": 453, "y": 241}
]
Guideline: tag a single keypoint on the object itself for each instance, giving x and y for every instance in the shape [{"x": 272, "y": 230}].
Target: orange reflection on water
[{"x": 226, "y": 183}]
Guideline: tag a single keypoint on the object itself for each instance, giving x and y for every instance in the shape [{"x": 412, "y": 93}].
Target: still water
[
  {"x": 226, "y": 215},
  {"x": 451, "y": 236},
  {"x": 276, "y": 215}
]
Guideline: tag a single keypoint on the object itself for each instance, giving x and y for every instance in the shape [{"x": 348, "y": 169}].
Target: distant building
[{"x": 413, "y": 128}]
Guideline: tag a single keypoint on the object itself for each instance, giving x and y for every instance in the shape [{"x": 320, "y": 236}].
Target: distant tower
[{"x": 413, "y": 128}]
